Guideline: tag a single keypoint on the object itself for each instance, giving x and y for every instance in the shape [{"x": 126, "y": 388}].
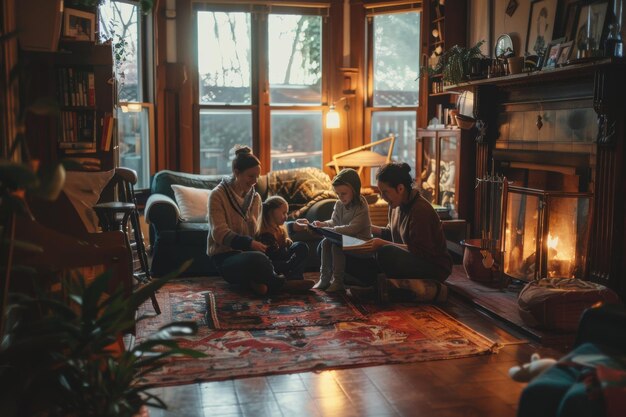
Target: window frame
[
  {"x": 260, "y": 105},
  {"x": 145, "y": 85},
  {"x": 369, "y": 108}
]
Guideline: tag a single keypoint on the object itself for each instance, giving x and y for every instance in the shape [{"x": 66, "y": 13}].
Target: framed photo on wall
[
  {"x": 79, "y": 25},
  {"x": 594, "y": 16},
  {"x": 552, "y": 53},
  {"x": 540, "y": 25}
]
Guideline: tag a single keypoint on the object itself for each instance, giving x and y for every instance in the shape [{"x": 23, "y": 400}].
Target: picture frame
[
  {"x": 79, "y": 25},
  {"x": 552, "y": 53},
  {"x": 596, "y": 12},
  {"x": 540, "y": 25},
  {"x": 566, "y": 18},
  {"x": 511, "y": 7},
  {"x": 565, "y": 49}
]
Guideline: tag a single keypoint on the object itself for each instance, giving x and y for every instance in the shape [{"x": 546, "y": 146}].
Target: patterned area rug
[
  {"x": 395, "y": 334},
  {"x": 230, "y": 310}
]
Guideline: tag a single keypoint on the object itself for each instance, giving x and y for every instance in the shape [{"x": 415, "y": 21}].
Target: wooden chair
[{"x": 118, "y": 206}]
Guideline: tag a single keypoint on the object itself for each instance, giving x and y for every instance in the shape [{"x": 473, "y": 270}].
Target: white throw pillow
[
  {"x": 192, "y": 202},
  {"x": 83, "y": 190}
]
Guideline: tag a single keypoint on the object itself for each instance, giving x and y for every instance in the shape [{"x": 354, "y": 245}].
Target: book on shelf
[
  {"x": 77, "y": 145},
  {"x": 347, "y": 243},
  {"x": 107, "y": 132}
]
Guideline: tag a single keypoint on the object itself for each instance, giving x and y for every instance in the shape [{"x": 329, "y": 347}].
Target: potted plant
[
  {"x": 62, "y": 355},
  {"x": 454, "y": 64}
]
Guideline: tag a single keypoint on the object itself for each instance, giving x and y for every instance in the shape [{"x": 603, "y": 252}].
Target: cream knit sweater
[{"x": 229, "y": 229}]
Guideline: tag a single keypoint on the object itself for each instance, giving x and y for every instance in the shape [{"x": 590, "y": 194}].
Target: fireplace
[
  {"x": 547, "y": 213},
  {"x": 545, "y": 234}
]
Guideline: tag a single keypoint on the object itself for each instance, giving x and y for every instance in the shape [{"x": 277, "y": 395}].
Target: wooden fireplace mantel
[{"x": 599, "y": 85}]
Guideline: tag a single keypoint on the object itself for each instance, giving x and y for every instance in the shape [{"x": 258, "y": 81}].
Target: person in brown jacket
[{"x": 412, "y": 247}]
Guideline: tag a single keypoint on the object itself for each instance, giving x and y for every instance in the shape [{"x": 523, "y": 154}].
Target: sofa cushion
[
  {"x": 186, "y": 234},
  {"x": 163, "y": 180},
  {"x": 83, "y": 190},
  {"x": 192, "y": 202}
]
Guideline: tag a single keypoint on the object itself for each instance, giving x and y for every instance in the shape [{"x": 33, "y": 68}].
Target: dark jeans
[
  {"x": 293, "y": 267},
  {"x": 398, "y": 263},
  {"x": 242, "y": 268},
  {"x": 395, "y": 262}
]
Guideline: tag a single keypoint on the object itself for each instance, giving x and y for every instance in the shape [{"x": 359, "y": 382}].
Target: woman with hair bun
[
  {"x": 234, "y": 212},
  {"x": 412, "y": 247}
]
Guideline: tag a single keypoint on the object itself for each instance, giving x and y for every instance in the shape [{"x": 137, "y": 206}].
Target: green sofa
[{"x": 307, "y": 190}]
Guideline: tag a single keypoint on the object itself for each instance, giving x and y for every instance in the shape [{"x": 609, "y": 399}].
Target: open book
[{"x": 347, "y": 243}]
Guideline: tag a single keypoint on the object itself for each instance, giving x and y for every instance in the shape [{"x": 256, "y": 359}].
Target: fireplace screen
[{"x": 546, "y": 234}]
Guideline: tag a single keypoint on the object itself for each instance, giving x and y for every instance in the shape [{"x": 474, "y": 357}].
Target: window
[
  {"x": 259, "y": 78},
  {"x": 121, "y": 23},
  {"x": 393, "y": 93}
]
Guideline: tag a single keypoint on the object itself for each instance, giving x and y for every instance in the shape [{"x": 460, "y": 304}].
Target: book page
[{"x": 353, "y": 244}]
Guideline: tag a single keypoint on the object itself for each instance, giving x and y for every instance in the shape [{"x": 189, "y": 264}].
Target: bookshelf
[
  {"x": 446, "y": 27},
  {"x": 85, "y": 92}
]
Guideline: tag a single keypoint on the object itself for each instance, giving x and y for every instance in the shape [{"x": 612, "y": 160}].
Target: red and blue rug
[
  {"x": 393, "y": 334},
  {"x": 228, "y": 309}
]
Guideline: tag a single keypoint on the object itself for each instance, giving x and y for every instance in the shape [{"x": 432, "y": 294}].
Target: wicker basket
[{"x": 558, "y": 303}]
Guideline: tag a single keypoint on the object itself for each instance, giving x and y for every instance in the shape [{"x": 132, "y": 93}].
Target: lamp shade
[{"x": 332, "y": 118}]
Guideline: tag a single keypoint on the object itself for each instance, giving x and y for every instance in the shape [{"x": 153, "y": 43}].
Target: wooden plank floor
[{"x": 475, "y": 386}]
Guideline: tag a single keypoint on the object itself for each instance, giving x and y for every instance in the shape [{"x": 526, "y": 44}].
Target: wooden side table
[{"x": 114, "y": 216}]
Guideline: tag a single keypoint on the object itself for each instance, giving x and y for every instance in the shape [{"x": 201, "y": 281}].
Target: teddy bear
[{"x": 530, "y": 370}]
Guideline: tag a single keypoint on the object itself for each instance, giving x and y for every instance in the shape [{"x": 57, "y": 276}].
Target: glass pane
[
  {"x": 396, "y": 59},
  {"x": 295, "y": 59},
  {"x": 426, "y": 180},
  {"x": 134, "y": 139},
  {"x": 220, "y": 130},
  {"x": 568, "y": 221},
  {"x": 520, "y": 236},
  {"x": 402, "y": 125},
  {"x": 120, "y": 23},
  {"x": 447, "y": 172},
  {"x": 224, "y": 58},
  {"x": 296, "y": 139}
]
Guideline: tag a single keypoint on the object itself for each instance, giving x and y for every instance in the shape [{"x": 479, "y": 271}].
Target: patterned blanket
[{"x": 302, "y": 188}]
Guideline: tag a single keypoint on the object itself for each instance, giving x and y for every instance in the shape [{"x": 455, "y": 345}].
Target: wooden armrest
[{"x": 60, "y": 251}]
